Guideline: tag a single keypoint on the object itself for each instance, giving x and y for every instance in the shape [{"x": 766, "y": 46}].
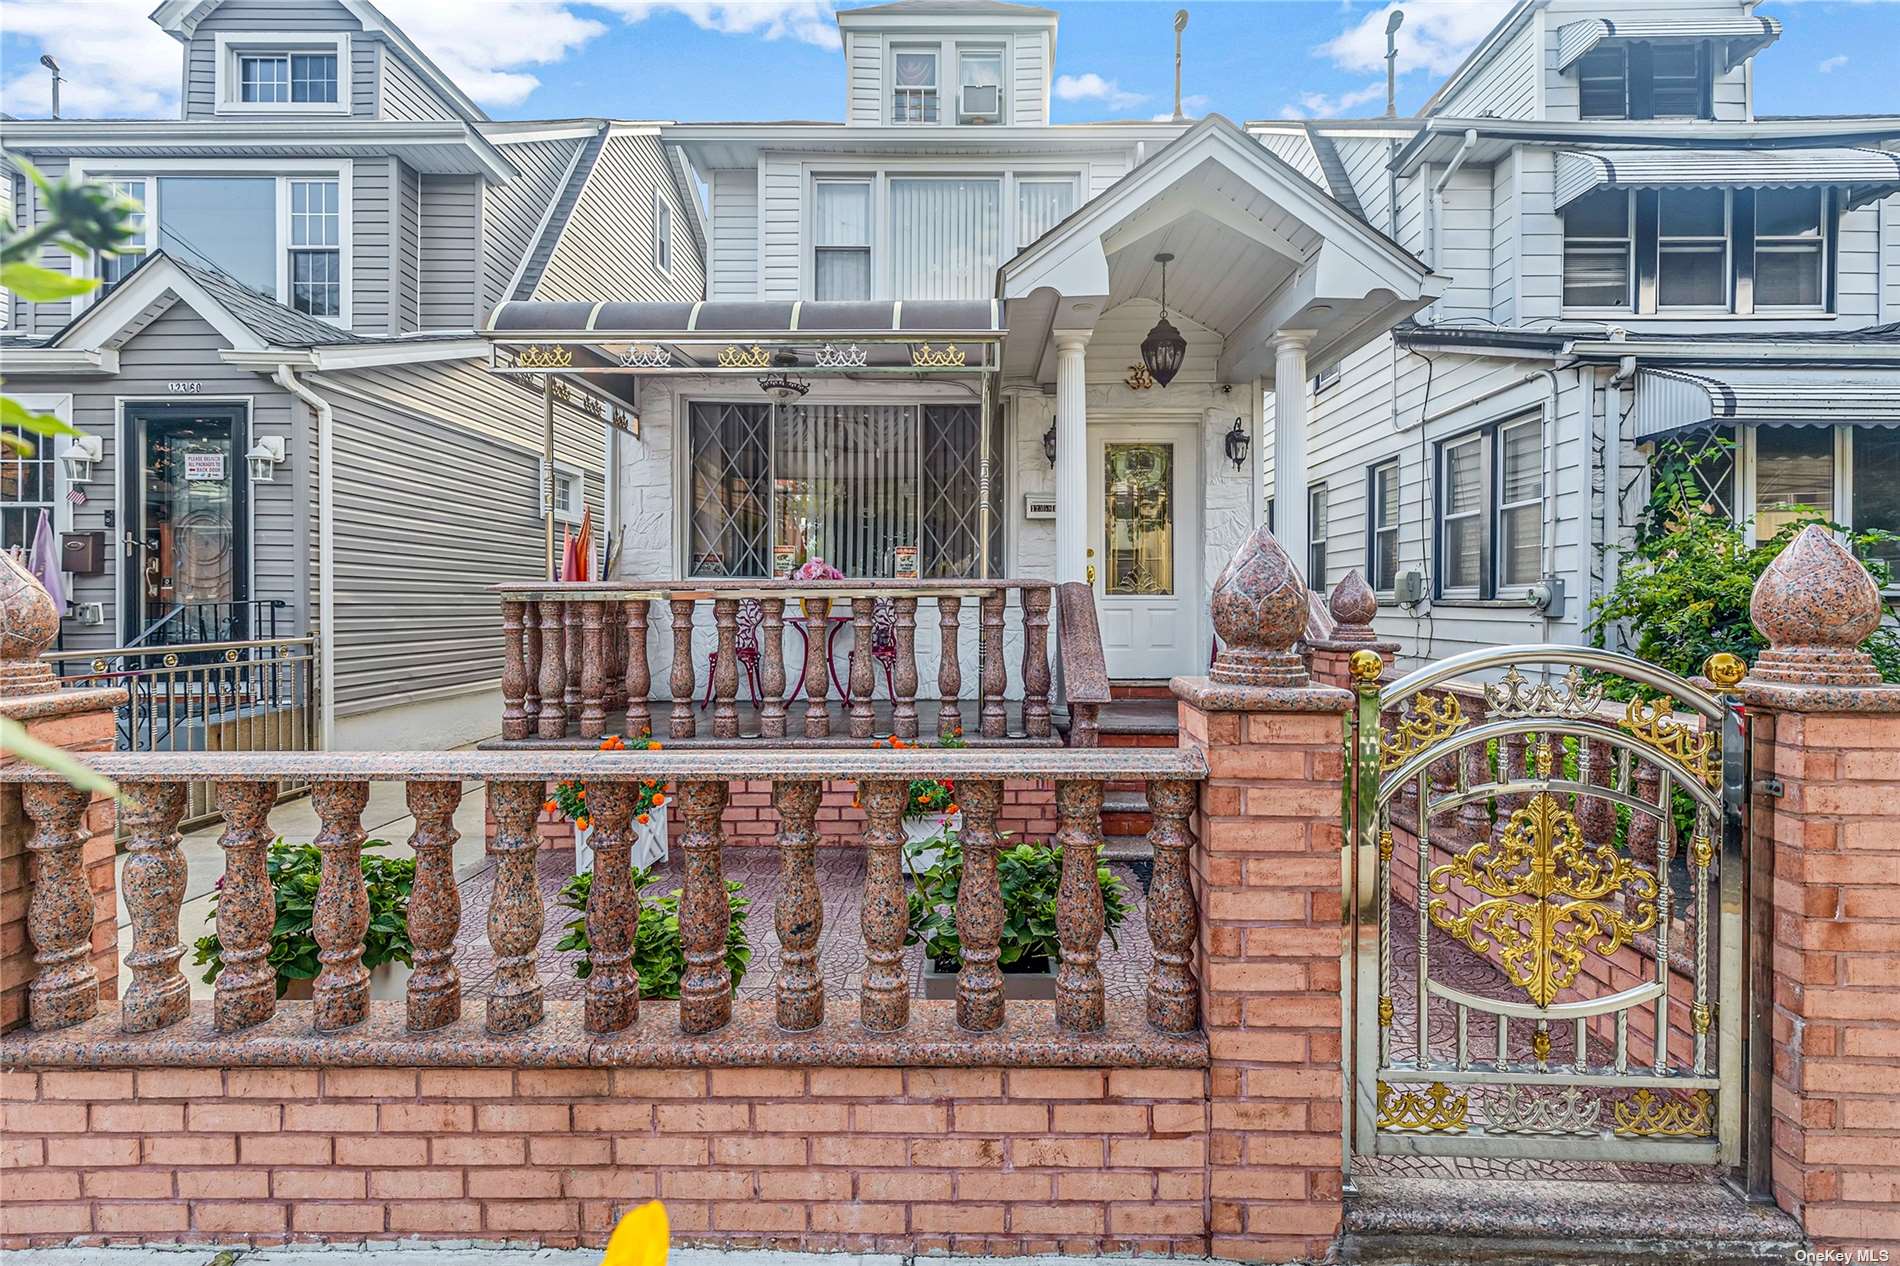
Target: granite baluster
[
  {"x": 571, "y": 643},
  {"x": 593, "y": 669},
  {"x": 726, "y": 673},
  {"x": 1596, "y": 814},
  {"x": 884, "y": 997},
  {"x": 612, "y": 994},
  {"x": 153, "y": 881},
  {"x": 341, "y": 916},
  {"x": 799, "y": 916},
  {"x": 949, "y": 666},
  {"x": 772, "y": 667},
  {"x": 514, "y": 672},
  {"x": 614, "y": 638},
  {"x": 682, "y": 726},
  {"x": 995, "y": 680},
  {"x": 1173, "y": 994},
  {"x": 530, "y": 668},
  {"x": 435, "y": 906},
  {"x": 1474, "y": 816},
  {"x": 515, "y": 913},
  {"x": 639, "y": 673},
  {"x": 246, "y": 991},
  {"x": 1513, "y": 750},
  {"x": 705, "y": 910},
  {"x": 1645, "y": 829},
  {"x": 1036, "y": 679},
  {"x": 1080, "y": 918},
  {"x": 553, "y": 719},
  {"x": 863, "y": 678},
  {"x": 904, "y": 706},
  {"x": 980, "y": 907},
  {"x": 59, "y": 913},
  {"x": 817, "y": 667}
]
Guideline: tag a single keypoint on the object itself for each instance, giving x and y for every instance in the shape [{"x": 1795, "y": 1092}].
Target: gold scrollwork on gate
[
  {"x": 1653, "y": 725},
  {"x": 923, "y": 356},
  {"x": 1428, "y": 723},
  {"x": 1437, "y": 1110},
  {"x": 736, "y": 357},
  {"x": 1542, "y": 941},
  {"x": 552, "y": 356},
  {"x": 1647, "y": 1115},
  {"x": 1514, "y": 696}
]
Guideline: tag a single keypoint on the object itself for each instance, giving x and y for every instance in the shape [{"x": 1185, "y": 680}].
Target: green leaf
[
  {"x": 16, "y": 415},
  {"x": 15, "y": 739},
  {"x": 42, "y": 285}
]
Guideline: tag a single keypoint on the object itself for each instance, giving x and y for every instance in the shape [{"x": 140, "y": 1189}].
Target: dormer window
[
  {"x": 276, "y": 78},
  {"x": 1644, "y": 79},
  {"x": 914, "y": 91},
  {"x": 264, "y": 72},
  {"x": 980, "y": 86}
]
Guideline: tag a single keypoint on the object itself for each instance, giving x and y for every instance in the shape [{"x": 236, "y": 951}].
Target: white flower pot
[
  {"x": 387, "y": 983},
  {"x": 649, "y": 842},
  {"x": 931, "y": 826}
]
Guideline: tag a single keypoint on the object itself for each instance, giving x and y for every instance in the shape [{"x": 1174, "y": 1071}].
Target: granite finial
[
  {"x": 1815, "y": 604},
  {"x": 1260, "y": 609},
  {"x": 1352, "y": 605},
  {"x": 28, "y": 624}
]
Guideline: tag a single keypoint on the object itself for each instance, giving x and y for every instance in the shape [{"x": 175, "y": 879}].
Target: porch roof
[{"x": 1673, "y": 400}]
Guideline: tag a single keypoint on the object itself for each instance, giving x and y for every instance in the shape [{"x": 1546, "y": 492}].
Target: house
[
  {"x": 1632, "y": 256},
  {"x": 810, "y": 407},
  {"x": 289, "y": 418}
]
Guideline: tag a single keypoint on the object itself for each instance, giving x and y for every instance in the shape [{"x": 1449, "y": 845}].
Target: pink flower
[{"x": 817, "y": 569}]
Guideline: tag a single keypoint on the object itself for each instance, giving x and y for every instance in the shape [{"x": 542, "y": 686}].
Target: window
[
  {"x": 226, "y": 223},
  {"x": 662, "y": 235},
  {"x": 876, "y": 490},
  {"x": 280, "y": 78},
  {"x": 569, "y": 498},
  {"x": 946, "y": 237},
  {"x": 316, "y": 257},
  {"x": 1040, "y": 206},
  {"x": 1520, "y": 503},
  {"x": 1692, "y": 249},
  {"x": 1382, "y": 534},
  {"x": 27, "y": 489},
  {"x": 1491, "y": 514},
  {"x": 1461, "y": 522},
  {"x": 914, "y": 88},
  {"x": 1597, "y": 250},
  {"x": 1876, "y": 490},
  {"x": 116, "y": 267},
  {"x": 980, "y": 86},
  {"x": 1641, "y": 79},
  {"x": 1790, "y": 242},
  {"x": 1325, "y": 378},
  {"x": 841, "y": 234},
  {"x": 1794, "y": 474},
  {"x": 1316, "y": 536}
]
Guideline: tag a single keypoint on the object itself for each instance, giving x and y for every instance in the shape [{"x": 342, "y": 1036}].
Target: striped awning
[
  {"x": 1739, "y": 37},
  {"x": 970, "y": 317},
  {"x": 1673, "y": 400},
  {"x": 1866, "y": 174}
]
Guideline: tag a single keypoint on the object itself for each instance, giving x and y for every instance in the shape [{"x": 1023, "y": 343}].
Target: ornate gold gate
[{"x": 1545, "y": 881}]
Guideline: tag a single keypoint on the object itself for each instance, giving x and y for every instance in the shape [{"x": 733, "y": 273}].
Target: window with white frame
[
  {"x": 279, "y": 78},
  {"x": 1382, "y": 526},
  {"x": 570, "y": 498},
  {"x": 1794, "y": 476},
  {"x": 1490, "y": 488},
  {"x": 117, "y": 266},
  {"x": 841, "y": 239},
  {"x": 1041, "y": 205},
  {"x": 1520, "y": 503},
  {"x": 1644, "y": 79},
  {"x": 1692, "y": 249},
  {"x": 946, "y": 237},
  {"x": 1316, "y": 536},
  {"x": 662, "y": 234},
  {"x": 1461, "y": 517},
  {"x": 224, "y": 223},
  {"x": 1597, "y": 255},
  {"x": 316, "y": 254},
  {"x": 914, "y": 85},
  {"x": 28, "y": 488},
  {"x": 980, "y": 85},
  {"x": 265, "y": 72}
]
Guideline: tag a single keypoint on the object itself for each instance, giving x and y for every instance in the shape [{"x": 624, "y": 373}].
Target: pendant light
[{"x": 1164, "y": 348}]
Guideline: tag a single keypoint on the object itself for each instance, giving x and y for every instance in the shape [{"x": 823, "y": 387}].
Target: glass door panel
[
  {"x": 187, "y": 536},
  {"x": 1138, "y": 518}
]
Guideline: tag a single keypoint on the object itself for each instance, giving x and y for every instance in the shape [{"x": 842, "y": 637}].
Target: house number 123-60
[{"x": 184, "y": 388}]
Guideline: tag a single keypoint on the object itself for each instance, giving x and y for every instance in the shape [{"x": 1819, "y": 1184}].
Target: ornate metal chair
[{"x": 746, "y": 648}]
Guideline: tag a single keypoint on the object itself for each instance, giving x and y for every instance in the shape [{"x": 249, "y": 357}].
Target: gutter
[{"x": 286, "y": 377}]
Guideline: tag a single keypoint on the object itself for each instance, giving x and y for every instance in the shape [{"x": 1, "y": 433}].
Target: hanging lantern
[
  {"x": 781, "y": 384},
  {"x": 1164, "y": 348}
]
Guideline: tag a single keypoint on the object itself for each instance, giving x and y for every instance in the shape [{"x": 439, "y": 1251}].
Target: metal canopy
[
  {"x": 1740, "y": 37},
  {"x": 1672, "y": 400},
  {"x": 1865, "y": 173}
]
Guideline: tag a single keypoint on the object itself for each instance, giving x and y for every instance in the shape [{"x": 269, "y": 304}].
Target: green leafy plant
[
  {"x": 931, "y": 795},
  {"x": 1029, "y": 875},
  {"x": 1683, "y": 590},
  {"x": 295, "y": 873},
  {"x": 657, "y": 955}
]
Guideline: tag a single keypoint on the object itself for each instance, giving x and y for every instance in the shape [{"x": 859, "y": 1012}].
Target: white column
[
  {"x": 1072, "y": 439},
  {"x": 1289, "y": 443}
]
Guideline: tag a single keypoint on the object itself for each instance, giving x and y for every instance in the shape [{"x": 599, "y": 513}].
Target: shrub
[
  {"x": 657, "y": 955},
  {"x": 1029, "y": 875}
]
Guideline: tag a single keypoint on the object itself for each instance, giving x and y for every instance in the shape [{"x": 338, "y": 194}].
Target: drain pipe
[
  {"x": 286, "y": 378},
  {"x": 1438, "y": 189},
  {"x": 1550, "y": 495}
]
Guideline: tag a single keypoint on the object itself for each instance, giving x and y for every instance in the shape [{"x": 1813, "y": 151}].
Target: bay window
[
  {"x": 1490, "y": 502},
  {"x": 1461, "y": 521},
  {"x": 879, "y": 491},
  {"x": 1382, "y": 527},
  {"x": 841, "y": 231},
  {"x": 946, "y": 237}
]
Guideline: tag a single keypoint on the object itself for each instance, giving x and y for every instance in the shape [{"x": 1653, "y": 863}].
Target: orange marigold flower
[
  {"x": 644, "y": 818},
  {"x": 581, "y": 822},
  {"x": 658, "y": 801},
  {"x": 951, "y": 807},
  {"x": 549, "y": 807}
]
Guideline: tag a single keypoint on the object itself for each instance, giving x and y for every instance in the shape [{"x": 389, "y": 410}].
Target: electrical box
[
  {"x": 1039, "y": 505},
  {"x": 89, "y": 613},
  {"x": 1408, "y": 588},
  {"x": 1547, "y": 596},
  {"x": 82, "y": 553}
]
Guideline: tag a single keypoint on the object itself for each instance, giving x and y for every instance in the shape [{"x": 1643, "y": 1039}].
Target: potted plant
[
  {"x": 1029, "y": 875},
  {"x": 649, "y": 812},
  {"x": 295, "y": 873},
  {"x": 657, "y": 955}
]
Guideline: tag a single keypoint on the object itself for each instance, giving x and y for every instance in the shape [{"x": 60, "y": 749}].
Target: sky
[{"x": 761, "y": 60}]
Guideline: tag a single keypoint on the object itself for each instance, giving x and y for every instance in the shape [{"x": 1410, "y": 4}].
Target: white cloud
[
  {"x": 488, "y": 59},
  {"x": 1318, "y": 105},
  {"x": 115, "y": 63},
  {"x": 1193, "y": 105},
  {"x": 807, "y": 21},
  {"x": 1435, "y": 37},
  {"x": 1832, "y": 64},
  {"x": 1092, "y": 87}
]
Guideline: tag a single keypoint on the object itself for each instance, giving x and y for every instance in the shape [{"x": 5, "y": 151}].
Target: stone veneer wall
[{"x": 967, "y": 1160}]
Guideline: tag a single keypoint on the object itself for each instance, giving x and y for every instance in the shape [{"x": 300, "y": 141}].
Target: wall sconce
[
  {"x": 1237, "y": 443},
  {"x": 79, "y": 456},
  {"x": 1049, "y": 444},
  {"x": 266, "y": 455}
]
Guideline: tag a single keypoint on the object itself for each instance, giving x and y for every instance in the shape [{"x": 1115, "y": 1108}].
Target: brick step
[
  {"x": 1125, "y": 811},
  {"x": 1139, "y": 690},
  {"x": 1126, "y": 848}
]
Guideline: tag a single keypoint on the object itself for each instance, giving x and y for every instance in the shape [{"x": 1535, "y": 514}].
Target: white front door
[{"x": 1144, "y": 546}]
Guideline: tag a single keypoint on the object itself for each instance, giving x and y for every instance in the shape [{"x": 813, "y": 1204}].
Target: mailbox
[{"x": 82, "y": 553}]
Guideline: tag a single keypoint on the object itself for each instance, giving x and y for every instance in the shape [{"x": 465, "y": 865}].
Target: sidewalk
[{"x": 413, "y": 1254}]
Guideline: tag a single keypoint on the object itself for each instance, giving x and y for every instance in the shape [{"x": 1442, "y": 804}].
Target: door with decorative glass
[{"x": 1144, "y": 534}]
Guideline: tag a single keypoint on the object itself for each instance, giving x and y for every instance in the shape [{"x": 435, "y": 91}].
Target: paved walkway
[{"x": 475, "y": 1254}]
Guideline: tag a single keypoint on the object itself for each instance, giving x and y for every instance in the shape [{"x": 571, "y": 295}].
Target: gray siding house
[
  {"x": 324, "y": 229},
  {"x": 1631, "y": 254}
]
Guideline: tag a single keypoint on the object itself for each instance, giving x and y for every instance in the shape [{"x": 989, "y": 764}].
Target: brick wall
[{"x": 975, "y": 1161}]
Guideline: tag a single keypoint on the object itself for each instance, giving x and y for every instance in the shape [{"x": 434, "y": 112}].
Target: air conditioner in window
[{"x": 982, "y": 103}]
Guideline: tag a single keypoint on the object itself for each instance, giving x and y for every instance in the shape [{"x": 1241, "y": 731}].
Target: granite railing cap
[
  {"x": 1210, "y": 695},
  {"x": 1815, "y": 604},
  {"x": 62, "y": 703}
]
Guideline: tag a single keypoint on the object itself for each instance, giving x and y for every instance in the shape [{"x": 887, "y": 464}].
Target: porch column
[
  {"x": 1072, "y": 515},
  {"x": 1289, "y": 445}
]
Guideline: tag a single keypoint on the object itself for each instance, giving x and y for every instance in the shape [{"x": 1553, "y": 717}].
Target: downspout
[
  {"x": 1437, "y": 205},
  {"x": 286, "y": 378},
  {"x": 1550, "y": 491}
]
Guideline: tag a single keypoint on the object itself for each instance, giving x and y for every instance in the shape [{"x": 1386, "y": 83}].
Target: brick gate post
[
  {"x": 1267, "y": 881},
  {"x": 1828, "y": 731}
]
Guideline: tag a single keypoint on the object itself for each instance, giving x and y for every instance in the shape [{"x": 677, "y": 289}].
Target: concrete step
[
  {"x": 1126, "y": 848},
  {"x": 1125, "y": 811}
]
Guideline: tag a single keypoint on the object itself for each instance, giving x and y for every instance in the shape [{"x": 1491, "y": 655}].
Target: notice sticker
[{"x": 204, "y": 468}]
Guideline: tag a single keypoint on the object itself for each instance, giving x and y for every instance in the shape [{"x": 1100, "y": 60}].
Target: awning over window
[
  {"x": 1739, "y": 37},
  {"x": 1865, "y": 173},
  {"x": 660, "y": 322},
  {"x": 1673, "y": 400}
]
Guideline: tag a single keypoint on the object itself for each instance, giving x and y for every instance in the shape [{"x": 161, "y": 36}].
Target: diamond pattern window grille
[
  {"x": 731, "y": 490},
  {"x": 1715, "y": 467}
]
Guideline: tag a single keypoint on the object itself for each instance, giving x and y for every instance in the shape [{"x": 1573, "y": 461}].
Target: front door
[
  {"x": 187, "y": 538},
  {"x": 1144, "y": 547}
]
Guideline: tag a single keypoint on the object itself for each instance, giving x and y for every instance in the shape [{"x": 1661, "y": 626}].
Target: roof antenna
[
  {"x": 1393, "y": 22},
  {"x": 46, "y": 60},
  {"x": 1180, "y": 25}
]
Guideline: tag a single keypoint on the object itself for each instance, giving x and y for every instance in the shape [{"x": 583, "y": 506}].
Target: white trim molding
[{"x": 233, "y": 46}]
